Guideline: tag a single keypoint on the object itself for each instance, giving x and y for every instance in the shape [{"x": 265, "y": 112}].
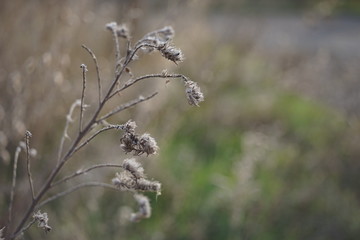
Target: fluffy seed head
[
  {"x": 42, "y": 220},
  {"x": 144, "y": 208},
  {"x": 124, "y": 181},
  {"x": 122, "y": 31},
  {"x": 133, "y": 167},
  {"x": 148, "y": 144},
  {"x": 171, "y": 53},
  {"x": 193, "y": 93},
  {"x": 149, "y": 186}
]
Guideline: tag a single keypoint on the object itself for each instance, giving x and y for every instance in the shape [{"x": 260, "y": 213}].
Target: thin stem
[
  {"x": 159, "y": 75},
  {"x": 127, "y": 105},
  {"x": 117, "y": 48},
  {"x": 27, "y": 226},
  {"x": 94, "y": 135},
  {"x": 27, "y": 141},
  {"x": 78, "y": 173},
  {"x": 84, "y": 70},
  {"x": 73, "y": 189},
  {"x": 16, "y": 157},
  {"x": 68, "y": 120},
  {"x": 97, "y": 69}
]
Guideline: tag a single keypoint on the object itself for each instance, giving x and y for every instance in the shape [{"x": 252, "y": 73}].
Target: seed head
[
  {"x": 171, "y": 53},
  {"x": 193, "y": 93},
  {"x": 147, "y": 144},
  {"x": 144, "y": 208},
  {"x": 42, "y": 220},
  {"x": 122, "y": 31},
  {"x": 124, "y": 181},
  {"x": 133, "y": 167}
]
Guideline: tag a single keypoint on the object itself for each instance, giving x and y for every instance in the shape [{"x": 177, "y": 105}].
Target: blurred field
[{"x": 272, "y": 153}]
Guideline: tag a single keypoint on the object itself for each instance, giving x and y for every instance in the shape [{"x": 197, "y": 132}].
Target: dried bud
[
  {"x": 111, "y": 26},
  {"x": 122, "y": 31},
  {"x": 42, "y": 220},
  {"x": 171, "y": 53},
  {"x": 144, "y": 208},
  {"x": 193, "y": 93},
  {"x": 133, "y": 167},
  {"x": 148, "y": 144}
]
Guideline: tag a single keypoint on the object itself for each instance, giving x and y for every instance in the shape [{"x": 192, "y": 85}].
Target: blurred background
[{"x": 273, "y": 152}]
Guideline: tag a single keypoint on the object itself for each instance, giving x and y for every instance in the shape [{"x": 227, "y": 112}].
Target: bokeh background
[{"x": 273, "y": 152}]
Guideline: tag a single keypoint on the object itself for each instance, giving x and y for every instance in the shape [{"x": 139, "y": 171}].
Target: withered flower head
[
  {"x": 193, "y": 93},
  {"x": 42, "y": 220}
]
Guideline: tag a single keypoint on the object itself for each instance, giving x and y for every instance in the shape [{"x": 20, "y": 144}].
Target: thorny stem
[
  {"x": 78, "y": 173},
  {"x": 73, "y": 189},
  {"x": 84, "y": 70},
  {"x": 68, "y": 120},
  {"x": 72, "y": 148},
  {"x": 27, "y": 141},
  {"x": 97, "y": 69},
  {"x": 16, "y": 157}
]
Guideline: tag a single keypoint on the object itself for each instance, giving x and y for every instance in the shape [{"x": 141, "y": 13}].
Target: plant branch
[
  {"x": 84, "y": 70},
  {"x": 97, "y": 69},
  {"x": 16, "y": 157},
  {"x": 68, "y": 120},
  {"x": 159, "y": 75},
  {"x": 127, "y": 105},
  {"x": 74, "y": 188},
  {"x": 94, "y": 135},
  {"x": 78, "y": 173},
  {"x": 27, "y": 141}
]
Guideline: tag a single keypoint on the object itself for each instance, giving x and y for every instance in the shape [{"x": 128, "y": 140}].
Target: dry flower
[
  {"x": 122, "y": 31},
  {"x": 42, "y": 220},
  {"x": 144, "y": 208},
  {"x": 193, "y": 93},
  {"x": 139, "y": 145},
  {"x": 147, "y": 144},
  {"x": 133, "y": 167},
  {"x": 170, "y": 52}
]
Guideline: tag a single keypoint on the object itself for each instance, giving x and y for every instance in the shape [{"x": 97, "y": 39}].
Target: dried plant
[{"x": 132, "y": 177}]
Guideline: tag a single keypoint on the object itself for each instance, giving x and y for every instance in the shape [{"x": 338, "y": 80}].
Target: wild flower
[{"x": 131, "y": 177}]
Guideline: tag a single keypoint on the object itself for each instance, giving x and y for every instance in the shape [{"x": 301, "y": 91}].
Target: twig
[
  {"x": 27, "y": 226},
  {"x": 78, "y": 173},
  {"x": 27, "y": 140},
  {"x": 117, "y": 49},
  {"x": 126, "y": 106},
  {"x": 94, "y": 135},
  {"x": 16, "y": 157},
  {"x": 68, "y": 120},
  {"x": 97, "y": 69},
  {"x": 159, "y": 75},
  {"x": 84, "y": 70},
  {"x": 73, "y": 189}
]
